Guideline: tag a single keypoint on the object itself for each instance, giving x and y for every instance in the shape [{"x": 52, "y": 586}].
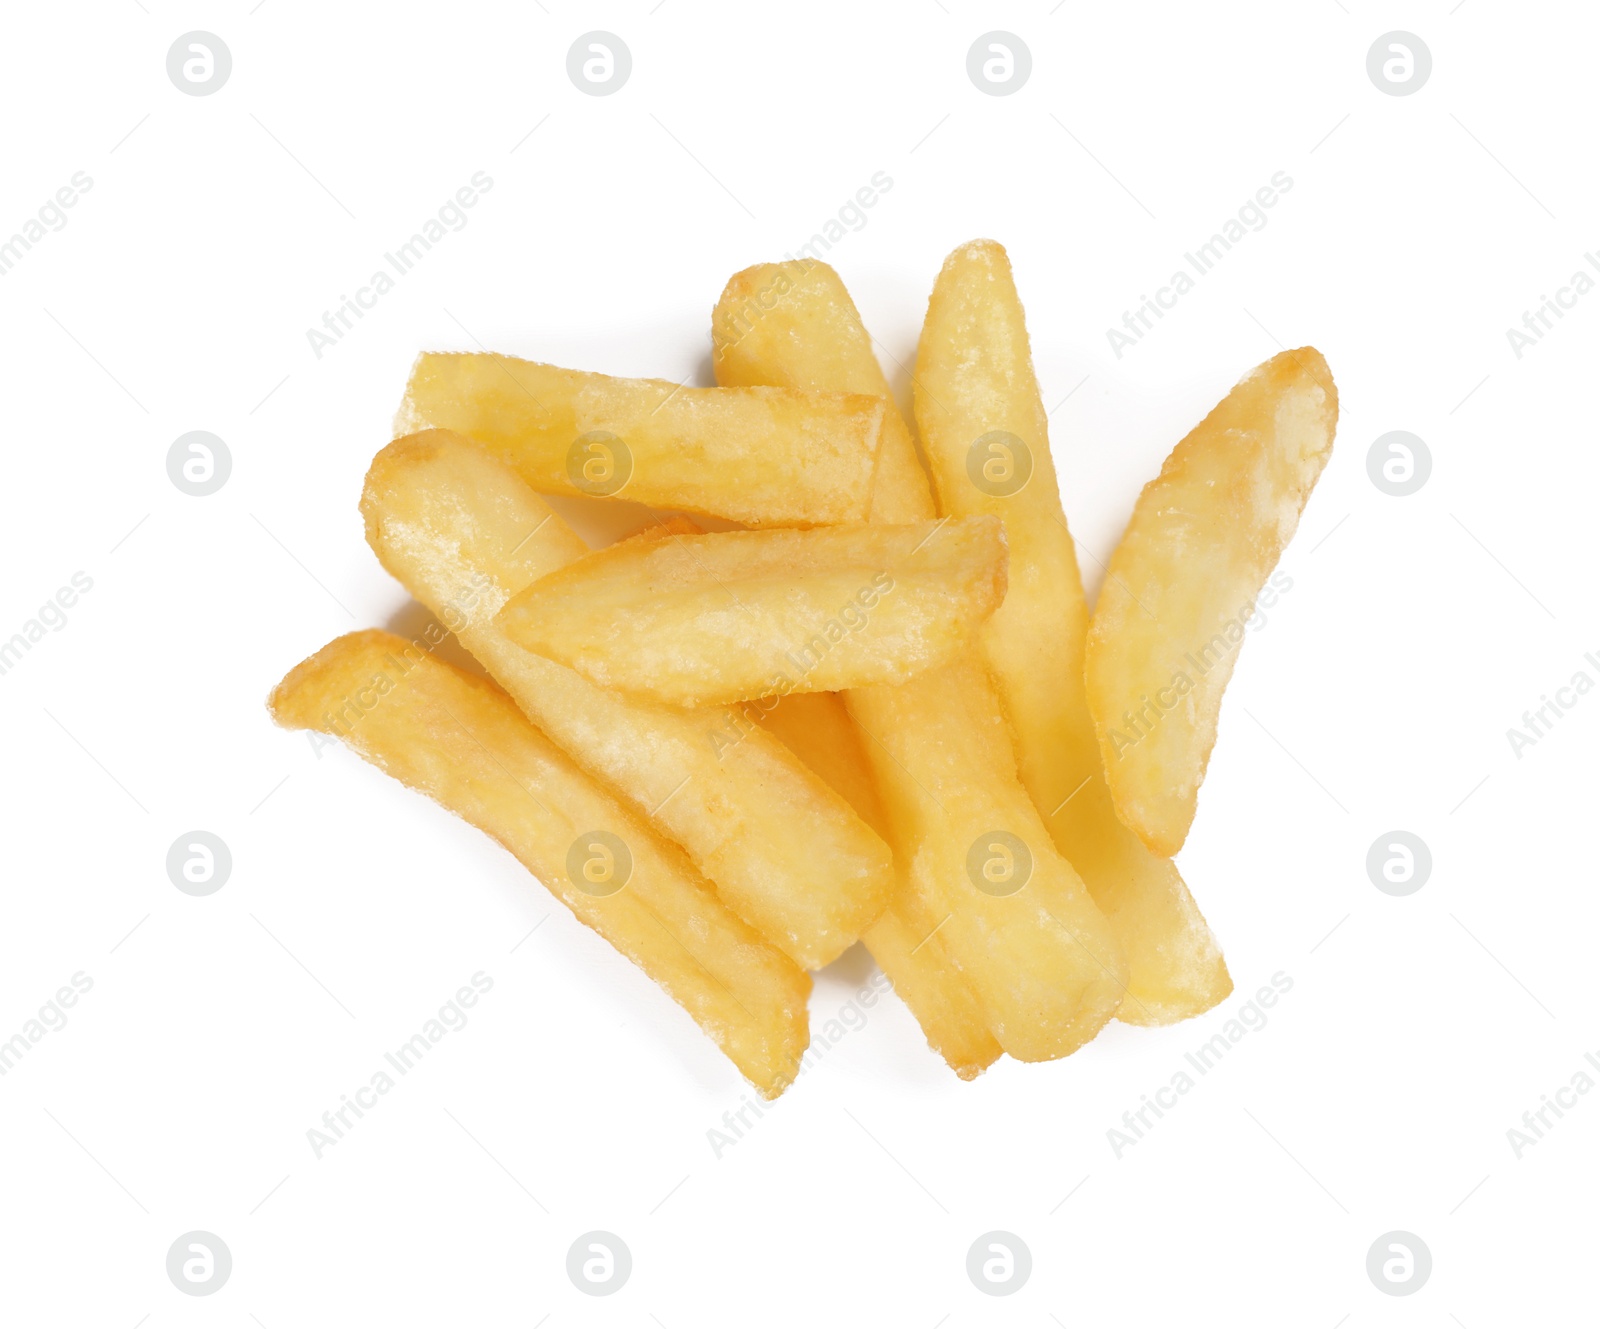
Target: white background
[{"x": 218, "y": 1030}]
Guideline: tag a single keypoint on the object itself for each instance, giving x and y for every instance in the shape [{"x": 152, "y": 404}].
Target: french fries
[
  {"x": 984, "y": 431},
  {"x": 1012, "y": 915},
  {"x": 868, "y": 715},
  {"x": 763, "y": 456},
  {"x": 903, "y": 940},
  {"x": 702, "y": 620},
  {"x": 816, "y": 727},
  {"x": 463, "y": 534},
  {"x": 462, "y": 741},
  {"x": 748, "y": 350},
  {"x": 1182, "y": 584}
]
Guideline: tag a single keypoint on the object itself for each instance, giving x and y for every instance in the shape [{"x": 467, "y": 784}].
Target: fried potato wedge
[
  {"x": 462, "y": 741},
  {"x": 818, "y": 729},
  {"x": 464, "y": 534},
  {"x": 903, "y": 942},
  {"x": 1183, "y": 582},
  {"x": 984, "y": 431},
  {"x": 760, "y": 456},
  {"x": 1011, "y": 912},
  {"x": 702, "y": 620},
  {"x": 1011, "y": 916},
  {"x": 750, "y": 349}
]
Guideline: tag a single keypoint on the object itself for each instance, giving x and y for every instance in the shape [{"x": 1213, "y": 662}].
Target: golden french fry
[
  {"x": 984, "y": 431},
  {"x": 837, "y": 350},
  {"x": 1182, "y": 585},
  {"x": 463, "y": 534},
  {"x": 761, "y": 456},
  {"x": 914, "y": 960},
  {"x": 816, "y": 727},
  {"x": 748, "y": 350},
  {"x": 1012, "y": 916},
  {"x": 903, "y": 940},
  {"x": 699, "y": 620},
  {"x": 461, "y": 741}
]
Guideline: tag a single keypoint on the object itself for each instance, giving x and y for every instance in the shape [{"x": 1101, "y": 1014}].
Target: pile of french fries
[{"x": 878, "y": 710}]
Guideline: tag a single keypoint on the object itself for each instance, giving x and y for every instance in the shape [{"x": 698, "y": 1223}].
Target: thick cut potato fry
[
  {"x": 809, "y": 305},
  {"x": 984, "y": 431},
  {"x": 1182, "y": 585},
  {"x": 760, "y": 456},
  {"x": 1012, "y": 913},
  {"x": 461, "y": 741},
  {"x": 903, "y": 940},
  {"x": 817, "y": 728},
  {"x": 1040, "y": 962},
  {"x": 707, "y": 619},
  {"x": 917, "y": 966},
  {"x": 463, "y": 534},
  {"x": 819, "y": 338}
]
